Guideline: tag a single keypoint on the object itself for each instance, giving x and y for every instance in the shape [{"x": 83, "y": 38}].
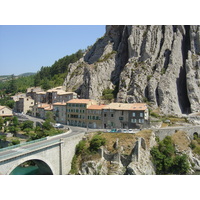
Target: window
[
  {"x": 141, "y": 121},
  {"x": 122, "y": 112},
  {"x": 133, "y": 114},
  {"x": 141, "y": 114},
  {"x": 104, "y": 115},
  {"x": 133, "y": 121},
  {"x": 121, "y": 118},
  {"x": 112, "y": 115}
]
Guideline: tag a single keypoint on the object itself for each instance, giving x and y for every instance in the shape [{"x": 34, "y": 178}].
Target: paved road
[{"x": 47, "y": 141}]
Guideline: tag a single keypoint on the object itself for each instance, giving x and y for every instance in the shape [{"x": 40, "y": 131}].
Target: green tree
[
  {"x": 12, "y": 87},
  {"x": 50, "y": 117},
  {"x": 10, "y": 103},
  {"x": 27, "y": 124},
  {"x": 96, "y": 142},
  {"x": 13, "y": 130},
  {"x": 15, "y": 121},
  {"x": 3, "y": 137},
  {"x": 165, "y": 159},
  {"x": 1, "y": 122},
  {"x": 47, "y": 125}
]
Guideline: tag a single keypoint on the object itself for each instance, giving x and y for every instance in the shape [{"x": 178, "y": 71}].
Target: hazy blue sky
[{"x": 26, "y": 48}]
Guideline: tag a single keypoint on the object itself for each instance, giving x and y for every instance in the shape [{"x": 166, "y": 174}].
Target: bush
[
  {"x": 27, "y": 124},
  {"x": 108, "y": 94},
  {"x": 15, "y": 141},
  {"x": 80, "y": 147},
  {"x": 96, "y": 142},
  {"x": 154, "y": 115},
  {"x": 15, "y": 121},
  {"x": 74, "y": 168},
  {"x": 27, "y": 130},
  {"x": 47, "y": 125},
  {"x": 13, "y": 129},
  {"x": 192, "y": 145},
  {"x": 197, "y": 150},
  {"x": 165, "y": 159}
]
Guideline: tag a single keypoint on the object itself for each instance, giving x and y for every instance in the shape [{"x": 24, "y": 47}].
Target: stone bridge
[
  {"x": 52, "y": 155},
  {"x": 190, "y": 130}
]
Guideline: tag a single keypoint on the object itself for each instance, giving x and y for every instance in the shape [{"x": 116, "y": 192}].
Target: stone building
[
  {"x": 40, "y": 97},
  {"x": 115, "y": 115},
  {"x": 58, "y": 94},
  {"x": 42, "y": 109},
  {"x": 59, "y": 110},
  {"x": 125, "y": 115},
  {"x": 77, "y": 111},
  {"x": 5, "y": 111},
  {"x": 31, "y": 92},
  {"x": 23, "y": 105},
  {"x": 94, "y": 116},
  {"x": 139, "y": 116}
]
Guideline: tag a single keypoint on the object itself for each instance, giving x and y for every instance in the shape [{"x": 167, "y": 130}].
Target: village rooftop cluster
[{"x": 68, "y": 109}]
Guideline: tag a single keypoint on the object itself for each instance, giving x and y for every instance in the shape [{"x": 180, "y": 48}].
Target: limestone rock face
[{"x": 159, "y": 64}]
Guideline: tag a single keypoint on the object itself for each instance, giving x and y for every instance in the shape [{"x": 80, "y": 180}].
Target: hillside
[{"x": 156, "y": 64}]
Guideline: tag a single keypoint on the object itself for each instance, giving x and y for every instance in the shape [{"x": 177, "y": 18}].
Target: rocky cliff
[{"x": 158, "y": 64}]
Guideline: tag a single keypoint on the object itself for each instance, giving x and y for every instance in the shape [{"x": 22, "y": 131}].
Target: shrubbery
[
  {"x": 108, "y": 94},
  {"x": 85, "y": 150},
  {"x": 165, "y": 159},
  {"x": 96, "y": 142}
]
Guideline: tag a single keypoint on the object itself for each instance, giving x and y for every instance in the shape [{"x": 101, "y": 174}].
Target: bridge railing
[
  {"x": 22, "y": 144},
  {"x": 29, "y": 149}
]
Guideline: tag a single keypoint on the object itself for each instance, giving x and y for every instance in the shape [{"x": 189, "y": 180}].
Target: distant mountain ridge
[
  {"x": 27, "y": 74},
  {"x": 4, "y": 78}
]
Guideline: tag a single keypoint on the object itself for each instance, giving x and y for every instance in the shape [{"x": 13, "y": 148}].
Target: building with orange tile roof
[
  {"x": 76, "y": 111},
  {"x": 94, "y": 116},
  {"x": 125, "y": 115},
  {"x": 40, "y": 110}
]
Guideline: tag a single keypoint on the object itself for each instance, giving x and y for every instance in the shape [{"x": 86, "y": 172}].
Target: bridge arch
[
  {"x": 43, "y": 165},
  {"x": 195, "y": 135}
]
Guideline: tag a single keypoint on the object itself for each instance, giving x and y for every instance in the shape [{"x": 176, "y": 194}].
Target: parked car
[
  {"x": 113, "y": 130},
  {"x": 57, "y": 125},
  {"x": 119, "y": 131},
  {"x": 130, "y": 130},
  {"x": 124, "y": 131}
]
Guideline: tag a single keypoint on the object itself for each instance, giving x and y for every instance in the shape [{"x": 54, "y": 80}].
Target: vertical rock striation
[{"x": 159, "y": 64}]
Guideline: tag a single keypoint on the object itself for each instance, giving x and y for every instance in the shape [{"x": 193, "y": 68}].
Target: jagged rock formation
[
  {"x": 160, "y": 64},
  {"x": 137, "y": 163}
]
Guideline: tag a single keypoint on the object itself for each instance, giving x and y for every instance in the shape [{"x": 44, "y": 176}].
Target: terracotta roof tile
[
  {"x": 96, "y": 107},
  {"x": 79, "y": 101},
  {"x": 126, "y": 106},
  {"x": 60, "y": 103},
  {"x": 44, "y": 105}
]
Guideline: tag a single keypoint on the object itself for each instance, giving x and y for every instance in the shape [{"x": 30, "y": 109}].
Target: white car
[
  {"x": 130, "y": 130},
  {"x": 57, "y": 125}
]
